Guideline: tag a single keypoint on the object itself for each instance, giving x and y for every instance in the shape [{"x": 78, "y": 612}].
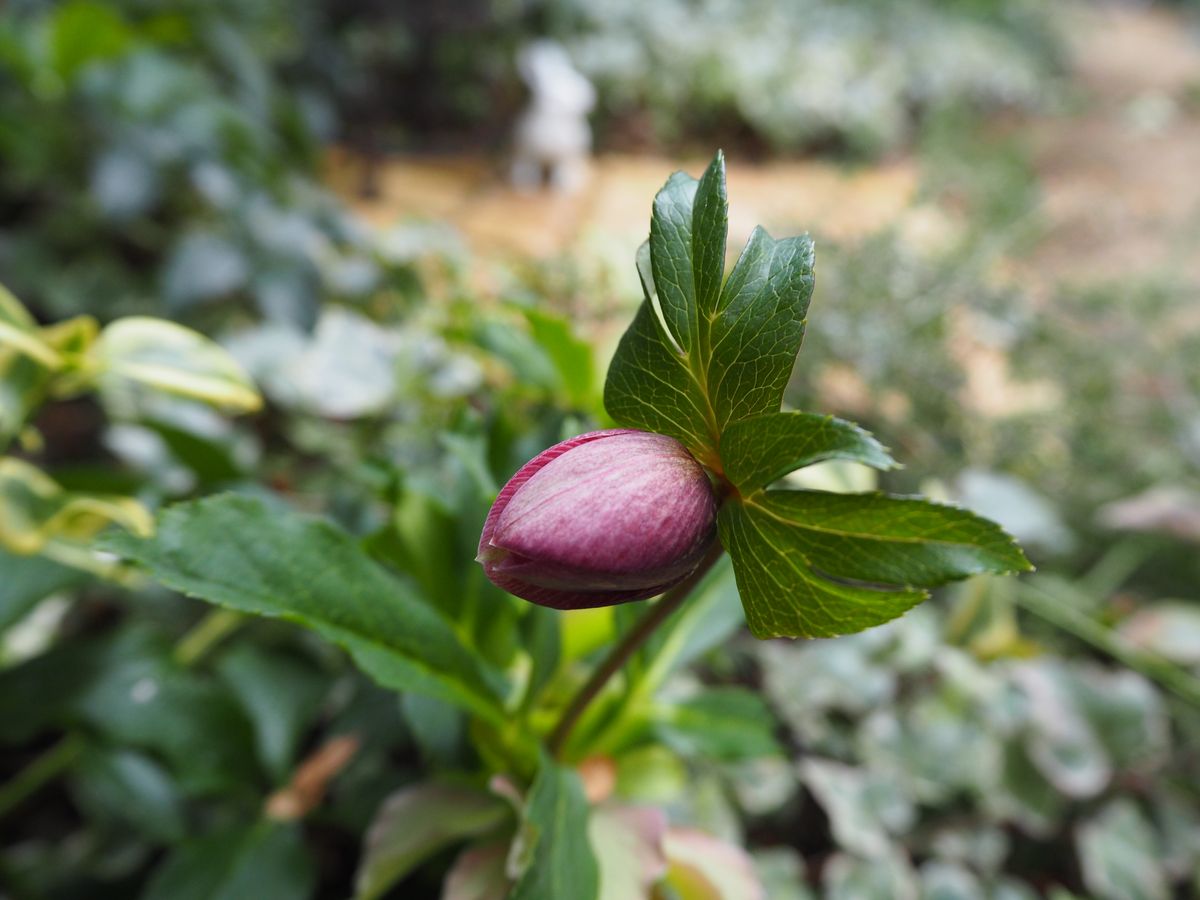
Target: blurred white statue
[{"x": 552, "y": 136}]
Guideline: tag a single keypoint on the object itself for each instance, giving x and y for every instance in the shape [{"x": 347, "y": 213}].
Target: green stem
[
  {"x": 624, "y": 650},
  {"x": 193, "y": 646},
  {"x": 205, "y": 635},
  {"x": 40, "y": 772},
  {"x": 1053, "y": 610}
]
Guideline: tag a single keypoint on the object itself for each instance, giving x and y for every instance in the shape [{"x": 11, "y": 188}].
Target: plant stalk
[
  {"x": 624, "y": 650},
  {"x": 40, "y": 772},
  {"x": 216, "y": 625},
  {"x": 1176, "y": 679}
]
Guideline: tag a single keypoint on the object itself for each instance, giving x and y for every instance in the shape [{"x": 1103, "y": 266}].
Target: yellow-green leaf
[
  {"x": 38, "y": 516},
  {"x": 171, "y": 358}
]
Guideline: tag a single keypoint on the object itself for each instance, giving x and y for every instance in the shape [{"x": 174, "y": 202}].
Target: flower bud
[{"x": 603, "y": 518}]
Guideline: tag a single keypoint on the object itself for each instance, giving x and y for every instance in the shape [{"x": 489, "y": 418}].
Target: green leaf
[
  {"x": 83, "y": 32},
  {"x": 438, "y": 728},
  {"x": 756, "y": 452},
  {"x": 280, "y": 695},
  {"x": 254, "y": 557},
  {"x": 542, "y": 636},
  {"x": 816, "y": 564},
  {"x": 23, "y": 385},
  {"x": 1120, "y": 855},
  {"x": 554, "y": 838},
  {"x": 783, "y": 596},
  {"x": 571, "y": 355},
  {"x": 721, "y": 723},
  {"x": 174, "y": 359},
  {"x": 19, "y": 332},
  {"x": 688, "y": 230},
  {"x": 650, "y": 387},
  {"x": 418, "y": 821},
  {"x": 128, "y": 688},
  {"x": 38, "y": 516},
  {"x": 699, "y": 356},
  {"x": 132, "y": 790},
  {"x": 903, "y": 541},
  {"x": 138, "y": 695},
  {"x": 866, "y": 809},
  {"x": 760, "y": 325},
  {"x": 266, "y": 861},
  {"x": 28, "y": 580}
]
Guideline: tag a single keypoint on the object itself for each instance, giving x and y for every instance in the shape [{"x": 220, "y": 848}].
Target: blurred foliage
[
  {"x": 1000, "y": 377},
  {"x": 809, "y": 73},
  {"x": 151, "y": 158},
  {"x": 786, "y": 74},
  {"x": 1012, "y": 741}
]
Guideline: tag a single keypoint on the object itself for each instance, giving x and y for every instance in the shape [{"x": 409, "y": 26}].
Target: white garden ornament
[{"x": 552, "y": 138}]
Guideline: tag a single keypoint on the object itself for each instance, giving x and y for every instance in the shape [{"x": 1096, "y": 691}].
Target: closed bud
[{"x": 603, "y": 518}]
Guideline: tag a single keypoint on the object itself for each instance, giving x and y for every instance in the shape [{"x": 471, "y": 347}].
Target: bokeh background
[{"x": 1006, "y": 199}]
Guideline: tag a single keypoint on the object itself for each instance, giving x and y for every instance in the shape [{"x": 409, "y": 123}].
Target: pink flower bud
[{"x": 603, "y": 518}]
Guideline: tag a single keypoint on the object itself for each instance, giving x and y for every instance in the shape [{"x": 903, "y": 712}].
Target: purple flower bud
[{"x": 603, "y": 518}]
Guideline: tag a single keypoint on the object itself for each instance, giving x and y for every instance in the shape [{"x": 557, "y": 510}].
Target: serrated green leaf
[
  {"x": 759, "y": 326},
  {"x": 816, "y": 564},
  {"x": 902, "y": 541},
  {"x": 760, "y": 450},
  {"x": 245, "y": 554},
  {"x": 688, "y": 231},
  {"x": 783, "y": 596},
  {"x": 650, "y": 387},
  {"x": 699, "y": 356},
  {"x": 555, "y": 834}
]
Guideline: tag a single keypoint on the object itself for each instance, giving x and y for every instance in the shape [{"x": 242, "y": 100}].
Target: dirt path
[
  {"x": 1120, "y": 177},
  {"x": 1119, "y": 173},
  {"x": 615, "y": 203}
]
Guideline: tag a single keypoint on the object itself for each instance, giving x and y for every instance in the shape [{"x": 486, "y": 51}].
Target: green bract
[{"x": 706, "y": 361}]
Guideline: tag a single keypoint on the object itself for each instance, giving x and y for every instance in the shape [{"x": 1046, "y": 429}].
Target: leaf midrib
[{"x": 749, "y": 500}]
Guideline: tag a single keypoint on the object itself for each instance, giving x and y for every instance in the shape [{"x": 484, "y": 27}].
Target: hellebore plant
[
  {"x": 616, "y": 516},
  {"x": 694, "y": 470}
]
